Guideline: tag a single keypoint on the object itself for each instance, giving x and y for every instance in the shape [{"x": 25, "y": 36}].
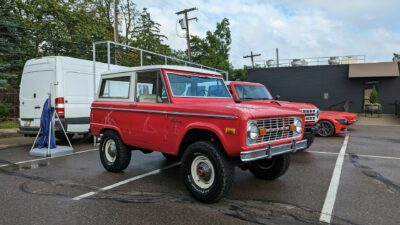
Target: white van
[{"x": 70, "y": 82}]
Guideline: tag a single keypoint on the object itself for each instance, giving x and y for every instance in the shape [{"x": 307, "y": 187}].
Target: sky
[{"x": 299, "y": 29}]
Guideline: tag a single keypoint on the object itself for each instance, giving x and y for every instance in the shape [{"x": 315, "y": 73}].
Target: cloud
[{"x": 300, "y": 29}]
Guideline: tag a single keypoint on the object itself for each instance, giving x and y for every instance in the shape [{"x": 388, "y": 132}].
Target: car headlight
[
  {"x": 252, "y": 132},
  {"x": 298, "y": 126}
]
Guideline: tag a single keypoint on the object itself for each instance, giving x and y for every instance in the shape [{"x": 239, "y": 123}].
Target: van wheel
[
  {"x": 207, "y": 172},
  {"x": 170, "y": 157},
  {"x": 61, "y": 136},
  {"x": 114, "y": 155},
  {"x": 270, "y": 169}
]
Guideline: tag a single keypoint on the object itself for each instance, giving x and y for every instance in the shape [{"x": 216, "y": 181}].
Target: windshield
[
  {"x": 248, "y": 92},
  {"x": 197, "y": 86}
]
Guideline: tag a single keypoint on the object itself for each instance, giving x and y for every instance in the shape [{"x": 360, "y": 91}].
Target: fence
[{"x": 11, "y": 96}]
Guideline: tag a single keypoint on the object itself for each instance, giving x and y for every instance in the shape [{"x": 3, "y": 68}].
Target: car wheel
[
  {"x": 270, "y": 169},
  {"x": 114, "y": 155},
  {"x": 326, "y": 128},
  {"x": 170, "y": 157},
  {"x": 207, "y": 172},
  {"x": 310, "y": 140}
]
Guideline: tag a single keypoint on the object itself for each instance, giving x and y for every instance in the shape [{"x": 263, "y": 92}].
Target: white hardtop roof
[{"x": 169, "y": 67}]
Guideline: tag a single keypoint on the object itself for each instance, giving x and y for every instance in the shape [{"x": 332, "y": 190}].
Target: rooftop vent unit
[
  {"x": 299, "y": 62},
  {"x": 270, "y": 63},
  {"x": 334, "y": 60}
]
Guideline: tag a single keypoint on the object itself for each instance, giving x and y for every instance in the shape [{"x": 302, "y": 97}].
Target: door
[
  {"x": 34, "y": 90},
  {"x": 367, "y": 93}
]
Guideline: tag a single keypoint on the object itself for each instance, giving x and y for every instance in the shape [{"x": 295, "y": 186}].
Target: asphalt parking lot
[{"x": 75, "y": 189}]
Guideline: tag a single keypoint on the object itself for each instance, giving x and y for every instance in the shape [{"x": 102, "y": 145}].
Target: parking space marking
[
  {"x": 125, "y": 182},
  {"x": 366, "y": 156},
  {"x": 326, "y": 213},
  {"x": 35, "y": 160}
]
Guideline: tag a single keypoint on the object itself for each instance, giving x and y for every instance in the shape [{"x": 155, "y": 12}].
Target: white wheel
[
  {"x": 110, "y": 150},
  {"x": 202, "y": 171}
]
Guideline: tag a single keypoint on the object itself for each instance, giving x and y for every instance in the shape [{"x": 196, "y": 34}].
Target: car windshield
[
  {"x": 197, "y": 86},
  {"x": 250, "y": 92}
]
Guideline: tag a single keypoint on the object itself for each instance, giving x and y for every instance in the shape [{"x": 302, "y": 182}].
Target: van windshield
[
  {"x": 197, "y": 86},
  {"x": 249, "y": 92}
]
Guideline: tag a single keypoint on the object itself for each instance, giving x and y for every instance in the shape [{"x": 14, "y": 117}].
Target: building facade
[{"x": 333, "y": 86}]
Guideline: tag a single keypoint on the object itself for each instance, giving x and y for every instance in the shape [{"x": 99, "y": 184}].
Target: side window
[
  {"x": 150, "y": 87},
  {"x": 117, "y": 87}
]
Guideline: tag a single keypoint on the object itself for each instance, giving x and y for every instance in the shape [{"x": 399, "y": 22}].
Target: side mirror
[{"x": 277, "y": 97}]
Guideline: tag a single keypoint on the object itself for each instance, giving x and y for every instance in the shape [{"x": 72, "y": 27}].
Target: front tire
[
  {"x": 310, "y": 140},
  {"x": 270, "y": 169},
  {"x": 114, "y": 155},
  {"x": 207, "y": 172},
  {"x": 326, "y": 128}
]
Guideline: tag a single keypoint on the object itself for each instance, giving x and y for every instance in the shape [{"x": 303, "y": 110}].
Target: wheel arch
[{"x": 195, "y": 134}]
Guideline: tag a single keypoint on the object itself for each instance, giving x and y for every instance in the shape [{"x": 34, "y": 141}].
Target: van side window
[
  {"x": 117, "y": 87},
  {"x": 150, "y": 87}
]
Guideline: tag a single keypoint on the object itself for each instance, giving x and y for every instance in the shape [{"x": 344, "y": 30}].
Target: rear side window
[{"x": 117, "y": 87}]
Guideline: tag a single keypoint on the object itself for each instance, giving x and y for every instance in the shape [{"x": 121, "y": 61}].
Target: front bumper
[
  {"x": 270, "y": 151},
  {"x": 312, "y": 129}
]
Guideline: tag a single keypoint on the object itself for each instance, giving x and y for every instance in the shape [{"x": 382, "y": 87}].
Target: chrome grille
[
  {"x": 277, "y": 129},
  {"x": 311, "y": 115}
]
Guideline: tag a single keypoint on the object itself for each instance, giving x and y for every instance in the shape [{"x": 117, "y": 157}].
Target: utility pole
[
  {"x": 185, "y": 26},
  {"x": 251, "y": 56},
  {"x": 116, "y": 14}
]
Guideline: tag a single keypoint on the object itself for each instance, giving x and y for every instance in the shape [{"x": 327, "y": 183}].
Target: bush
[
  {"x": 373, "y": 97},
  {"x": 5, "y": 109}
]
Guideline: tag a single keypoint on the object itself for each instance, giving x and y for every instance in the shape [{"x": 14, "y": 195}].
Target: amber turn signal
[
  {"x": 292, "y": 128},
  {"x": 230, "y": 130},
  {"x": 262, "y": 131}
]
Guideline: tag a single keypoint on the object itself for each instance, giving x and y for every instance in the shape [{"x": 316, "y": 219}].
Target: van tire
[
  {"x": 270, "y": 169},
  {"x": 61, "y": 136},
  {"x": 114, "y": 154},
  {"x": 207, "y": 173},
  {"x": 170, "y": 157}
]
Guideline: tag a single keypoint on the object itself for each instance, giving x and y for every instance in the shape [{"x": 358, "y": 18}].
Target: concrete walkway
[{"x": 383, "y": 120}]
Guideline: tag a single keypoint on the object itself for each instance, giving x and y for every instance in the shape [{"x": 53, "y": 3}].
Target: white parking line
[
  {"x": 34, "y": 160},
  {"x": 366, "y": 156},
  {"x": 124, "y": 182},
  {"x": 326, "y": 213}
]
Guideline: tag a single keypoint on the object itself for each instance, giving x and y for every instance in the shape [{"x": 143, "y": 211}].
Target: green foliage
[
  {"x": 7, "y": 124},
  {"x": 213, "y": 50},
  {"x": 373, "y": 97},
  {"x": 5, "y": 109},
  {"x": 237, "y": 74}
]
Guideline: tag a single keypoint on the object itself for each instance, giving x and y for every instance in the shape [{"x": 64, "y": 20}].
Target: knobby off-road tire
[
  {"x": 326, "y": 128},
  {"x": 270, "y": 169},
  {"x": 170, "y": 157},
  {"x": 207, "y": 173},
  {"x": 114, "y": 155}
]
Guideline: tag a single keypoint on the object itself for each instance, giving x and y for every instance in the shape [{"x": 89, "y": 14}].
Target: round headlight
[
  {"x": 298, "y": 125},
  {"x": 252, "y": 133}
]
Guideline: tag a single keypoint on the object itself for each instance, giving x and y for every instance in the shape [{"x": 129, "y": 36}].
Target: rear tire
[
  {"x": 206, "y": 171},
  {"x": 114, "y": 155},
  {"x": 170, "y": 157},
  {"x": 61, "y": 136},
  {"x": 326, "y": 128},
  {"x": 270, "y": 169}
]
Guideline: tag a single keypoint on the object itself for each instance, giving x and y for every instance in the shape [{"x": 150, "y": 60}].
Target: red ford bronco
[
  {"x": 188, "y": 114},
  {"x": 255, "y": 93}
]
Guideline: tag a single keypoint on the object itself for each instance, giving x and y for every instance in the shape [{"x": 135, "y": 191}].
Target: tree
[
  {"x": 373, "y": 97},
  {"x": 10, "y": 51},
  {"x": 214, "y": 49}
]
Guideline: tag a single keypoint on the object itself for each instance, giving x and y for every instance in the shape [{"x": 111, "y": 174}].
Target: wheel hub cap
[{"x": 203, "y": 171}]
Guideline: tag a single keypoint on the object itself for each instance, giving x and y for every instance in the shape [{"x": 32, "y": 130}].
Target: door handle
[{"x": 37, "y": 107}]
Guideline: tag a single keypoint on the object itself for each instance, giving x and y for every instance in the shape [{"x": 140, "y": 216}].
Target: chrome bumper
[{"x": 271, "y": 151}]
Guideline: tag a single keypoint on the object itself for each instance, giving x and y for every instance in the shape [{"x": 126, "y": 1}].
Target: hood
[
  {"x": 349, "y": 116},
  {"x": 299, "y": 105},
  {"x": 231, "y": 108}
]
